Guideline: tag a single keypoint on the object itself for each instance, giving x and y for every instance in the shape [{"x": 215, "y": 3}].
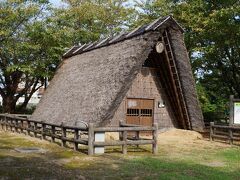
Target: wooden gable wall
[{"x": 147, "y": 85}]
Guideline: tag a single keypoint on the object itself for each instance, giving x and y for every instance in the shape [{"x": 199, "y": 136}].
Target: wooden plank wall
[{"x": 147, "y": 85}]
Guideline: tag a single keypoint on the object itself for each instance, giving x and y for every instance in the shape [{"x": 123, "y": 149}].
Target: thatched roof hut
[{"x": 126, "y": 78}]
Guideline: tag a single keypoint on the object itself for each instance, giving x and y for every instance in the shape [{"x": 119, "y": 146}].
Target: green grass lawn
[{"x": 198, "y": 159}]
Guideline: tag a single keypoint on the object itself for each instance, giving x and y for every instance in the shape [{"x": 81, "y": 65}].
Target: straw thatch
[
  {"x": 93, "y": 79},
  {"x": 89, "y": 86},
  {"x": 187, "y": 80}
]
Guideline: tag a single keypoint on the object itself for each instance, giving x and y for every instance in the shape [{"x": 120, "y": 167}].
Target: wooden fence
[
  {"x": 124, "y": 140},
  {"x": 43, "y": 130},
  {"x": 223, "y": 132},
  {"x": 78, "y": 135}
]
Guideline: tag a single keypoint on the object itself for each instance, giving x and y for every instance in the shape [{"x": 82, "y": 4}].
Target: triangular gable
[{"x": 91, "y": 83}]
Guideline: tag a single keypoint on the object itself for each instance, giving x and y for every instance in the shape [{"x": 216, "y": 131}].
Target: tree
[
  {"x": 89, "y": 20},
  {"x": 212, "y": 33},
  {"x": 34, "y": 35},
  {"x": 30, "y": 49}
]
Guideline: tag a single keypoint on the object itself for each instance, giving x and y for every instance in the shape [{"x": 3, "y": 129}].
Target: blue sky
[{"x": 57, "y": 3}]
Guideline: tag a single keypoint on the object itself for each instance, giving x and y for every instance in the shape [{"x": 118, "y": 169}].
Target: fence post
[
  {"x": 124, "y": 146},
  {"x": 28, "y": 127},
  {"x": 11, "y": 125},
  {"x": 63, "y": 144},
  {"x": 43, "y": 130},
  {"x": 21, "y": 126},
  {"x": 120, "y": 132},
  {"x": 1, "y": 120},
  {"x": 90, "y": 139},
  {"x": 230, "y": 136},
  {"x": 211, "y": 131},
  {"x": 53, "y": 133},
  {"x": 155, "y": 139},
  {"x": 5, "y": 122},
  {"x": 35, "y": 129},
  {"x": 16, "y": 125},
  {"x": 76, "y": 136},
  {"x": 231, "y": 104}
]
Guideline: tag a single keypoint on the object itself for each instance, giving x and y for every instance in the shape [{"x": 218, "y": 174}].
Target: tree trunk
[{"x": 9, "y": 104}]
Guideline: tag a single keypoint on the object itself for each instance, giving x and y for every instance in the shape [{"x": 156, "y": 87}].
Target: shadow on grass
[
  {"x": 109, "y": 166},
  {"x": 60, "y": 163},
  {"x": 32, "y": 168}
]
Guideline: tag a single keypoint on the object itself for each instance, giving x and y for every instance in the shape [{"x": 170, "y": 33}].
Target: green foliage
[
  {"x": 212, "y": 33},
  {"x": 204, "y": 100},
  {"x": 34, "y": 35},
  {"x": 30, "y": 49},
  {"x": 90, "y": 20}
]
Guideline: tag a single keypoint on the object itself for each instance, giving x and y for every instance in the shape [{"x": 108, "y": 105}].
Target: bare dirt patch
[
  {"x": 181, "y": 138},
  {"x": 180, "y": 134},
  {"x": 215, "y": 164}
]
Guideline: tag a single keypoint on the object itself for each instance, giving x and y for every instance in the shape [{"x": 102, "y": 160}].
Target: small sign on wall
[
  {"x": 236, "y": 117},
  {"x": 132, "y": 103}
]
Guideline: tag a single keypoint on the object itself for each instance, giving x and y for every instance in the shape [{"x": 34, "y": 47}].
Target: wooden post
[
  {"x": 90, "y": 139},
  {"x": 1, "y": 119},
  {"x": 43, "y": 136},
  {"x": 21, "y": 125},
  {"x": 16, "y": 125},
  {"x": 28, "y": 127},
  {"x": 52, "y": 133},
  {"x": 64, "y": 134},
  {"x": 155, "y": 138},
  {"x": 76, "y": 136},
  {"x": 137, "y": 137},
  {"x": 35, "y": 129},
  {"x": 5, "y": 122},
  {"x": 211, "y": 131},
  {"x": 120, "y": 133},
  {"x": 230, "y": 136},
  {"x": 124, "y": 146},
  {"x": 11, "y": 125},
  {"x": 231, "y": 104}
]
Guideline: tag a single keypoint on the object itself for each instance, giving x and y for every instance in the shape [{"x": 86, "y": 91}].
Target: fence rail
[
  {"x": 230, "y": 133},
  {"x": 78, "y": 135},
  {"x": 43, "y": 130},
  {"x": 124, "y": 140}
]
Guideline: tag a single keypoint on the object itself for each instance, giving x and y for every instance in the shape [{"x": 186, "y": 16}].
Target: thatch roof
[{"x": 93, "y": 79}]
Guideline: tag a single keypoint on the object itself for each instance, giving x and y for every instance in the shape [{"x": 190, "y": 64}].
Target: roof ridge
[{"x": 157, "y": 23}]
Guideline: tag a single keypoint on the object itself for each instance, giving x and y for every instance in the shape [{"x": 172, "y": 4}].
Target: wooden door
[{"x": 140, "y": 111}]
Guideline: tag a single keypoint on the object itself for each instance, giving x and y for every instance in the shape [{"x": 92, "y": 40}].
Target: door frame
[{"x": 126, "y": 107}]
